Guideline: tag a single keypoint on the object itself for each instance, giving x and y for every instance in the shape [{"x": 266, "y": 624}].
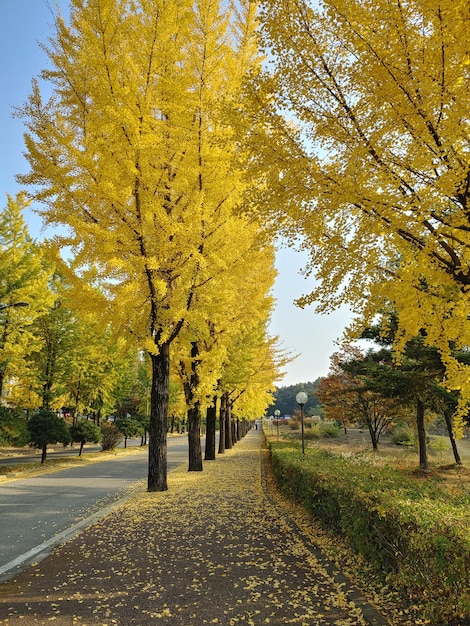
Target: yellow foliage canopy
[{"x": 373, "y": 165}]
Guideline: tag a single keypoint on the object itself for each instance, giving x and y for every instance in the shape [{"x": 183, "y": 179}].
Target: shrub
[
  {"x": 85, "y": 432},
  {"x": 439, "y": 444},
  {"x": 46, "y": 427},
  {"x": 129, "y": 427},
  {"x": 328, "y": 429},
  {"x": 402, "y": 435},
  {"x": 13, "y": 428},
  {"x": 407, "y": 528},
  {"x": 112, "y": 436},
  {"x": 312, "y": 432}
]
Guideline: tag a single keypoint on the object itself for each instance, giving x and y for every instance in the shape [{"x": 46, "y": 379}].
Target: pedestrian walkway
[{"x": 213, "y": 549}]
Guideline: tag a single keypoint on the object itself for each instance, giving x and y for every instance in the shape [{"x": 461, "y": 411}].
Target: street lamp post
[
  {"x": 301, "y": 399},
  {"x": 277, "y": 413}
]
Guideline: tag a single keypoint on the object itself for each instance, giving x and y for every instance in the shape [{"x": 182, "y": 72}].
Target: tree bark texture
[
  {"x": 222, "y": 422},
  {"x": 228, "y": 426},
  {"x": 423, "y": 449},
  {"x": 453, "y": 443},
  {"x": 194, "y": 412},
  {"x": 157, "y": 470},
  {"x": 194, "y": 438},
  {"x": 211, "y": 418}
]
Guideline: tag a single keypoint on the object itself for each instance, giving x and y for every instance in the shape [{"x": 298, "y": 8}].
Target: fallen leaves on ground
[{"x": 211, "y": 550}]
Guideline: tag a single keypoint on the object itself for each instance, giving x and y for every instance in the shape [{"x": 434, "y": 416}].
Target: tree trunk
[
  {"x": 234, "y": 431},
  {"x": 222, "y": 422},
  {"x": 194, "y": 439},
  {"x": 211, "y": 418},
  {"x": 194, "y": 412},
  {"x": 423, "y": 449},
  {"x": 450, "y": 430},
  {"x": 157, "y": 470},
  {"x": 44, "y": 453},
  {"x": 373, "y": 437},
  {"x": 82, "y": 443},
  {"x": 228, "y": 426}
]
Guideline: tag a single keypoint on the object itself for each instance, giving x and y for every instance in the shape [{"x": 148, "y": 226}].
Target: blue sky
[{"x": 25, "y": 23}]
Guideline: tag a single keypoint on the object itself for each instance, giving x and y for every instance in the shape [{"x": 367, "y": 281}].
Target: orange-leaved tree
[{"x": 347, "y": 397}]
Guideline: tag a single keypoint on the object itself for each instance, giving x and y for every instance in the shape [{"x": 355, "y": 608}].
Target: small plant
[
  {"x": 402, "y": 436},
  {"x": 439, "y": 444},
  {"x": 112, "y": 437},
  {"x": 129, "y": 427},
  {"x": 329, "y": 430},
  {"x": 45, "y": 427},
  {"x": 313, "y": 432},
  {"x": 85, "y": 432}
]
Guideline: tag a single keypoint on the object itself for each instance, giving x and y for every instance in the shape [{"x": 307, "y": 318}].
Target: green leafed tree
[
  {"x": 129, "y": 427},
  {"x": 46, "y": 427},
  {"x": 84, "y": 432}
]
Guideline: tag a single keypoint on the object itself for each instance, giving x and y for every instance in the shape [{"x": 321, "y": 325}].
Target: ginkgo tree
[
  {"x": 24, "y": 277},
  {"x": 255, "y": 360},
  {"x": 230, "y": 305},
  {"x": 133, "y": 152},
  {"x": 361, "y": 136}
]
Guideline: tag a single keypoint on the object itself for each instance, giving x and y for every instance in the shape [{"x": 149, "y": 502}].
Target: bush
[
  {"x": 312, "y": 432},
  {"x": 13, "y": 428},
  {"x": 129, "y": 427},
  {"x": 46, "y": 427},
  {"x": 402, "y": 435},
  {"x": 439, "y": 444},
  {"x": 408, "y": 529},
  {"x": 329, "y": 430},
  {"x": 112, "y": 437},
  {"x": 317, "y": 431},
  {"x": 85, "y": 432}
]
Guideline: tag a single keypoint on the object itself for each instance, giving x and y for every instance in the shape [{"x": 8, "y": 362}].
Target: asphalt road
[{"x": 39, "y": 513}]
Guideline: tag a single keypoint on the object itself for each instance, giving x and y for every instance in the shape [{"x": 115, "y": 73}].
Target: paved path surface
[
  {"x": 40, "y": 512},
  {"x": 214, "y": 549}
]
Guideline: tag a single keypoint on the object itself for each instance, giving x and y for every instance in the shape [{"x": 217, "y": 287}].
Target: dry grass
[{"x": 403, "y": 458}]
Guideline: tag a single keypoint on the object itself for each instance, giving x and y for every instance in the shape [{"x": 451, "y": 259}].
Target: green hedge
[{"x": 406, "y": 527}]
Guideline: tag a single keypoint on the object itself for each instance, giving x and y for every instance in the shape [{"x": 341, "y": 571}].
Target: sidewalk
[{"x": 214, "y": 549}]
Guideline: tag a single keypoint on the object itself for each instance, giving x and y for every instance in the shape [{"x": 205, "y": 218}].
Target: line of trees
[
  {"x": 137, "y": 154},
  {"x": 172, "y": 162},
  {"x": 58, "y": 354}
]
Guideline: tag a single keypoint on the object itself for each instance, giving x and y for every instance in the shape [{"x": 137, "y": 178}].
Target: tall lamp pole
[
  {"x": 277, "y": 413},
  {"x": 301, "y": 399}
]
